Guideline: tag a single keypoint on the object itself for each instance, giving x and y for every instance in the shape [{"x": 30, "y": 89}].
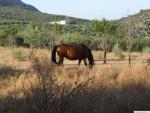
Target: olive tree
[
  {"x": 10, "y": 32},
  {"x": 104, "y": 31}
]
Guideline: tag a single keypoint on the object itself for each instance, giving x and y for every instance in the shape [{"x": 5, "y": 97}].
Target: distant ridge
[{"x": 18, "y": 3}]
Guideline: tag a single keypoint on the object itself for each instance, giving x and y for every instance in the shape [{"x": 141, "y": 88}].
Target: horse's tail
[
  {"x": 91, "y": 59},
  {"x": 53, "y": 58}
]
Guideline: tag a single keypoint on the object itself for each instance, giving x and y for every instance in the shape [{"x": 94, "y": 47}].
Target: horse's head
[
  {"x": 91, "y": 63},
  {"x": 90, "y": 58}
]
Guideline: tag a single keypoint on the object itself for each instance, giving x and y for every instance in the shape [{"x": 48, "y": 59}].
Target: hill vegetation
[
  {"x": 139, "y": 23},
  {"x": 15, "y": 14}
]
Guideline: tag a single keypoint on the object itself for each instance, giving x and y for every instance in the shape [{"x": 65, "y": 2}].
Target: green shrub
[
  {"x": 118, "y": 52},
  {"x": 19, "y": 55},
  {"x": 146, "y": 49}
]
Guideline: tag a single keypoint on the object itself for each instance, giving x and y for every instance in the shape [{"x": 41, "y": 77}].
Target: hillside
[
  {"x": 139, "y": 23},
  {"x": 15, "y": 15},
  {"x": 15, "y": 11},
  {"x": 18, "y": 3}
]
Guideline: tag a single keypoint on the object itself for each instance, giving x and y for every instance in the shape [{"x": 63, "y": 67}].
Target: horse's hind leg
[{"x": 61, "y": 60}]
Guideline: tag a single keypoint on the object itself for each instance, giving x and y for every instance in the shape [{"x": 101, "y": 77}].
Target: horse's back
[
  {"x": 78, "y": 47},
  {"x": 72, "y": 52}
]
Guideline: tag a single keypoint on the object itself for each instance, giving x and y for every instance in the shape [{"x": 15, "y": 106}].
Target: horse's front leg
[
  {"x": 79, "y": 62},
  {"x": 85, "y": 62}
]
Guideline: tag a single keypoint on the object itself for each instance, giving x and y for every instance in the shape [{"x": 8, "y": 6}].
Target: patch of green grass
[{"x": 19, "y": 55}]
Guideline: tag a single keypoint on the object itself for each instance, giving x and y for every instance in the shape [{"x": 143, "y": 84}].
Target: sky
[{"x": 91, "y": 9}]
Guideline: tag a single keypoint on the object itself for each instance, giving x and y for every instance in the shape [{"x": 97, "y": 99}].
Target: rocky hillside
[
  {"x": 138, "y": 24},
  {"x": 18, "y": 3}
]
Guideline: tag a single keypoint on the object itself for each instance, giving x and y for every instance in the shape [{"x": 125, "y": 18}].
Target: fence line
[
  {"x": 117, "y": 59},
  {"x": 120, "y": 59},
  {"x": 114, "y": 60}
]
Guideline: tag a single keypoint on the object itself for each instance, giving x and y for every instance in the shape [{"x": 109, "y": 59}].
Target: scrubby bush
[
  {"x": 18, "y": 55},
  {"x": 48, "y": 96},
  {"x": 118, "y": 52},
  {"x": 146, "y": 49},
  {"x": 4, "y": 40}
]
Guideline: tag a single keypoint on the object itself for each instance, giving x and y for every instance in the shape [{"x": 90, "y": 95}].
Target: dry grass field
[{"x": 29, "y": 83}]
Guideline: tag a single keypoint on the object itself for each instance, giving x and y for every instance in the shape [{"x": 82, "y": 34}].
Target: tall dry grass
[{"x": 50, "y": 89}]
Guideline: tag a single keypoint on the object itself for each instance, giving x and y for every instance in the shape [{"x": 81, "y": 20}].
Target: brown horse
[{"x": 77, "y": 52}]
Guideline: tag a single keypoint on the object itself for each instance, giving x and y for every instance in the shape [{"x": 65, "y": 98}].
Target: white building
[{"x": 62, "y": 22}]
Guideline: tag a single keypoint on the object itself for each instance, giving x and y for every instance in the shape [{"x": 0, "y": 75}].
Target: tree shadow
[
  {"x": 7, "y": 71},
  {"x": 101, "y": 100}
]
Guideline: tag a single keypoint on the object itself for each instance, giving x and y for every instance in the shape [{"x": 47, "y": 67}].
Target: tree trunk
[
  {"x": 105, "y": 56},
  {"x": 129, "y": 56}
]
